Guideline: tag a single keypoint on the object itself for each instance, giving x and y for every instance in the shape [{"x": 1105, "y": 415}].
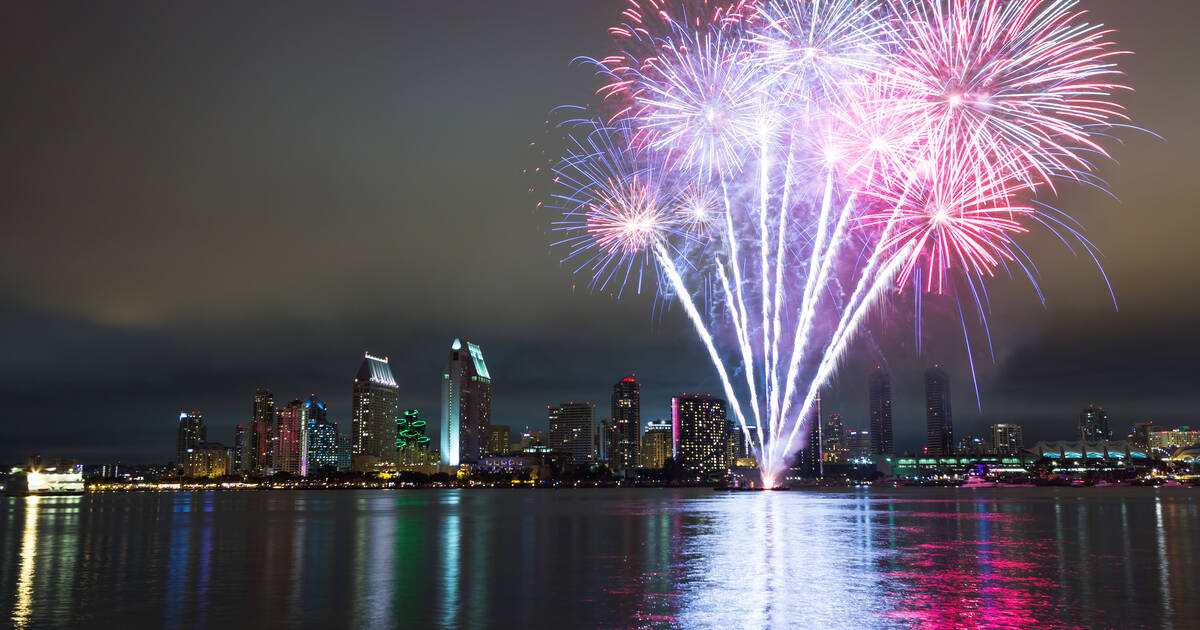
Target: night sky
[{"x": 204, "y": 198}]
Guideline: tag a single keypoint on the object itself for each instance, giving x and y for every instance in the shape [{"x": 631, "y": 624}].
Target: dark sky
[{"x": 202, "y": 198}]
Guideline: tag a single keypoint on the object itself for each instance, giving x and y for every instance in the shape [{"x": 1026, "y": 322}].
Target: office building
[
  {"x": 497, "y": 442},
  {"x": 241, "y": 449},
  {"x": 373, "y": 413},
  {"x": 262, "y": 425},
  {"x": 289, "y": 439},
  {"x": 657, "y": 444},
  {"x": 626, "y": 423},
  {"x": 833, "y": 439},
  {"x": 1007, "y": 439},
  {"x": 879, "y": 386},
  {"x": 606, "y": 440},
  {"x": 809, "y": 461},
  {"x": 1093, "y": 424},
  {"x": 701, "y": 432},
  {"x": 466, "y": 404},
  {"x": 572, "y": 429},
  {"x": 859, "y": 443},
  {"x": 188, "y": 435},
  {"x": 939, "y": 425}
]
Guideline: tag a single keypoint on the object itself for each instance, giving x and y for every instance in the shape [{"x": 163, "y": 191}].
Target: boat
[
  {"x": 975, "y": 481},
  {"x": 44, "y": 482}
]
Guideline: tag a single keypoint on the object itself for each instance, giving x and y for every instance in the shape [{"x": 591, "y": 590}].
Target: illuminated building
[
  {"x": 262, "y": 424},
  {"x": 859, "y": 444},
  {"x": 373, "y": 413},
  {"x": 700, "y": 433},
  {"x": 606, "y": 439},
  {"x": 497, "y": 440},
  {"x": 626, "y": 423},
  {"x": 320, "y": 439},
  {"x": 466, "y": 404},
  {"x": 412, "y": 444},
  {"x": 208, "y": 459},
  {"x": 189, "y": 434},
  {"x": 1007, "y": 439},
  {"x": 1100, "y": 450},
  {"x": 879, "y": 385},
  {"x": 1093, "y": 424},
  {"x": 809, "y": 460},
  {"x": 289, "y": 435},
  {"x": 656, "y": 444},
  {"x": 241, "y": 448},
  {"x": 939, "y": 423},
  {"x": 1167, "y": 440},
  {"x": 833, "y": 438},
  {"x": 1140, "y": 433},
  {"x": 572, "y": 429},
  {"x": 969, "y": 446}
]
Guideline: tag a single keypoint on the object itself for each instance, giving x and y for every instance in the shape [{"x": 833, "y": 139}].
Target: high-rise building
[
  {"x": 879, "y": 385},
  {"x": 1093, "y": 424},
  {"x": 809, "y": 461},
  {"x": 1139, "y": 435},
  {"x": 627, "y": 422},
  {"x": 188, "y": 435},
  {"x": 939, "y": 424},
  {"x": 572, "y": 429},
  {"x": 373, "y": 413},
  {"x": 700, "y": 431},
  {"x": 262, "y": 424},
  {"x": 656, "y": 444},
  {"x": 319, "y": 440},
  {"x": 207, "y": 459},
  {"x": 1007, "y": 439},
  {"x": 412, "y": 443},
  {"x": 497, "y": 440},
  {"x": 466, "y": 404},
  {"x": 859, "y": 443},
  {"x": 606, "y": 440},
  {"x": 1166, "y": 440},
  {"x": 241, "y": 449},
  {"x": 833, "y": 439},
  {"x": 289, "y": 439}
]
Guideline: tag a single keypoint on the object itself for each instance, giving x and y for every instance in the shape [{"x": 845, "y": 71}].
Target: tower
[
  {"x": 700, "y": 433},
  {"x": 289, "y": 439},
  {"x": 879, "y": 385},
  {"x": 1093, "y": 424},
  {"x": 573, "y": 429},
  {"x": 466, "y": 404},
  {"x": 626, "y": 423},
  {"x": 188, "y": 435},
  {"x": 373, "y": 412},
  {"x": 262, "y": 423},
  {"x": 939, "y": 425}
]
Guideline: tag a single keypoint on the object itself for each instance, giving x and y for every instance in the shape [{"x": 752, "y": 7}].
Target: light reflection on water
[{"x": 1037, "y": 558}]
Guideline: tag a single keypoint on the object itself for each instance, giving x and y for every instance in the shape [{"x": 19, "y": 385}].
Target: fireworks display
[{"x": 780, "y": 167}]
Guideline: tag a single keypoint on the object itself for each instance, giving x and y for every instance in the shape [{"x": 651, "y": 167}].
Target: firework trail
[{"x": 780, "y": 167}]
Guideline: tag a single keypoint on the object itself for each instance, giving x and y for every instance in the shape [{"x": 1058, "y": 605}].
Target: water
[{"x": 598, "y": 558}]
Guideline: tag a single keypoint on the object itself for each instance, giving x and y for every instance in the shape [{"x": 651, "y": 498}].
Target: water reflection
[{"x": 599, "y": 558}]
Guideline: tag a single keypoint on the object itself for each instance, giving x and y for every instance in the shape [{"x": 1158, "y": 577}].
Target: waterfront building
[
  {"x": 188, "y": 434},
  {"x": 939, "y": 424},
  {"x": 241, "y": 448},
  {"x": 1168, "y": 440},
  {"x": 1140, "y": 433},
  {"x": 833, "y": 437},
  {"x": 262, "y": 424},
  {"x": 879, "y": 386},
  {"x": 626, "y": 423},
  {"x": 345, "y": 456},
  {"x": 1007, "y": 439},
  {"x": 657, "y": 444},
  {"x": 969, "y": 446},
  {"x": 606, "y": 440},
  {"x": 1093, "y": 424},
  {"x": 809, "y": 460},
  {"x": 289, "y": 439},
  {"x": 466, "y": 404},
  {"x": 859, "y": 444},
  {"x": 572, "y": 429},
  {"x": 412, "y": 442},
  {"x": 208, "y": 459},
  {"x": 373, "y": 413},
  {"x": 497, "y": 442},
  {"x": 1107, "y": 450},
  {"x": 700, "y": 430}
]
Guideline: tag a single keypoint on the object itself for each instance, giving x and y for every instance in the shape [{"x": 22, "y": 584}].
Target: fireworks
[{"x": 777, "y": 166}]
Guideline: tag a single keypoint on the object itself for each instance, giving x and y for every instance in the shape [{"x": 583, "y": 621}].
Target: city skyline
[{"x": 112, "y": 311}]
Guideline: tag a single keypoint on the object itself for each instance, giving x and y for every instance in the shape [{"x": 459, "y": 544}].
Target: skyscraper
[
  {"x": 188, "y": 435},
  {"x": 373, "y": 413},
  {"x": 1007, "y": 439},
  {"x": 809, "y": 461},
  {"x": 262, "y": 423},
  {"x": 700, "y": 431},
  {"x": 318, "y": 440},
  {"x": 880, "y": 386},
  {"x": 497, "y": 443},
  {"x": 572, "y": 429},
  {"x": 833, "y": 439},
  {"x": 289, "y": 434},
  {"x": 241, "y": 448},
  {"x": 1093, "y": 424},
  {"x": 627, "y": 422},
  {"x": 466, "y": 404},
  {"x": 606, "y": 440},
  {"x": 939, "y": 424},
  {"x": 656, "y": 444}
]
